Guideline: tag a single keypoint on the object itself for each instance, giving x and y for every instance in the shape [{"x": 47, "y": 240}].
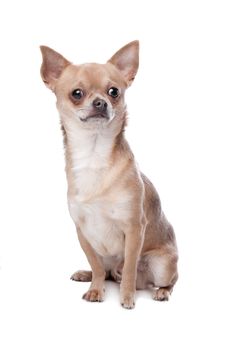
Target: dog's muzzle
[{"x": 100, "y": 108}]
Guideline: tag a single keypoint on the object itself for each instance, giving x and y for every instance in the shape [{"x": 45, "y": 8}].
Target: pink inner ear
[
  {"x": 52, "y": 66},
  {"x": 127, "y": 60},
  {"x": 56, "y": 69}
]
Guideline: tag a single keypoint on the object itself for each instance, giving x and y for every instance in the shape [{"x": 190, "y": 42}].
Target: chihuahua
[{"x": 116, "y": 209}]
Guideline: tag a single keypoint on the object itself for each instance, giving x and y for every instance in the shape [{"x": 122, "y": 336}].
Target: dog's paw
[
  {"x": 82, "y": 276},
  {"x": 94, "y": 295},
  {"x": 161, "y": 294},
  {"x": 127, "y": 301}
]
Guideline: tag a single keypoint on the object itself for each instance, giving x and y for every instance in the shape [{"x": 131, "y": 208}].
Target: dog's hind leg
[
  {"x": 162, "y": 272},
  {"x": 86, "y": 276},
  {"x": 82, "y": 276}
]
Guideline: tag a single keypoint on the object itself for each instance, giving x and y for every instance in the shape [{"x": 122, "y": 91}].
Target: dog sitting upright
[{"x": 115, "y": 208}]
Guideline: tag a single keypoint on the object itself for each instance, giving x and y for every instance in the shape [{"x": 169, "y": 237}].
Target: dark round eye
[
  {"x": 77, "y": 94},
  {"x": 113, "y": 92}
]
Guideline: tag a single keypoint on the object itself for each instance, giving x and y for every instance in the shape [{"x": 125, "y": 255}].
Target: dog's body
[{"x": 115, "y": 208}]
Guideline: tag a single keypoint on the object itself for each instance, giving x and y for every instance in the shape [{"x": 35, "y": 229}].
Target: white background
[{"x": 180, "y": 129}]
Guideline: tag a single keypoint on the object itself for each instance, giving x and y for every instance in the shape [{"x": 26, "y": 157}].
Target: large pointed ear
[
  {"x": 127, "y": 60},
  {"x": 52, "y": 66}
]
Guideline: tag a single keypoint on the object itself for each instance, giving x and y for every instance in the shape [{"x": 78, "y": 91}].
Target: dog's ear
[
  {"x": 127, "y": 60},
  {"x": 52, "y": 66}
]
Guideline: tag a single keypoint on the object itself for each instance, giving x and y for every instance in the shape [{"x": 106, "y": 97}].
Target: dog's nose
[{"x": 100, "y": 105}]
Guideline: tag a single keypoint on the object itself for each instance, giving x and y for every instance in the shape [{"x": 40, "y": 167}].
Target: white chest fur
[
  {"x": 97, "y": 223},
  {"x": 99, "y": 215}
]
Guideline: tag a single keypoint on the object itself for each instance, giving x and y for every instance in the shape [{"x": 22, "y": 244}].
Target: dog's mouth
[{"x": 98, "y": 116}]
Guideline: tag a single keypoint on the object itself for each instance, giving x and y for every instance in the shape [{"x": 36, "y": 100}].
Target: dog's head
[{"x": 90, "y": 94}]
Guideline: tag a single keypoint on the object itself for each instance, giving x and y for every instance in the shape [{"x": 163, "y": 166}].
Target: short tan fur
[{"x": 116, "y": 210}]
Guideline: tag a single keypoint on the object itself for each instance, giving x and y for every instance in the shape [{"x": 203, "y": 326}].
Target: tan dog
[{"x": 115, "y": 208}]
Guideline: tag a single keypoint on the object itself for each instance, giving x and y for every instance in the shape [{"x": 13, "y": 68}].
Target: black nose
[{"x": 100, "y": 105}]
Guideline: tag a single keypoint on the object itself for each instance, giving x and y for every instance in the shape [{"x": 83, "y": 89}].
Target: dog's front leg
[
  {"x": 96, "y": 290},
  {"x": 134, "y": 235}
]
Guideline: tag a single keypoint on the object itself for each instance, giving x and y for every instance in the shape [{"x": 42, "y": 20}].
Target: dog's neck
[
  {"x": 94, "y": 158},
  {"x": 92, "y": 148}
]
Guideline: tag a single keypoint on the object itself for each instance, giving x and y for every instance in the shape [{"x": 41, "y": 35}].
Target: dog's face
[{"x": 90, "y": 94}]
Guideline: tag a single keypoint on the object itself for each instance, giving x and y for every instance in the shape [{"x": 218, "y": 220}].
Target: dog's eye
[
  {"x": 113, "y": 92},
  {"x": 77, "y": 94}
]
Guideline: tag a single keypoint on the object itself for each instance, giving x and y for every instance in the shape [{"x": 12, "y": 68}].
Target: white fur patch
[
  {"x": 158, "y": 267},
  {"x": 97, "y": 215},
  {"x": 95, "y": 221}
]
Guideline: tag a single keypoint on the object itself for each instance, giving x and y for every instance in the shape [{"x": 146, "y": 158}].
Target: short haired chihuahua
[{"x": 115, "y": 208}]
